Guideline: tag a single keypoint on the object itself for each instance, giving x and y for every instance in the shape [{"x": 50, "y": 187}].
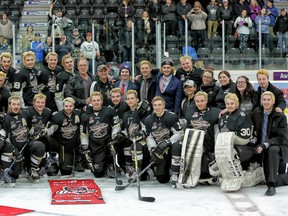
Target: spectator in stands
[
  {"x": 242, "y": 25},
  {"x": 4, "y": 46},
  {"x": 169, "y": 17},
  {"x": 239, "y": 7},
  {"x": 198, "y": 17},
  {"x": 265, "y": 85},
  {"x": 227, "y": 84},
  {"x": 246, "y": 94},
  {"x": 76, "y": 40},
  {"x": 6, "y": 27},
  {"x": 188, "y": 71},
  {"x": 212, "y": 22},
  {"x": 78, "y": 87},
  {"x": 190, "y": 89},
  {"x": 125, "y": 12},
  {"x": 169, "y": 87},
  {"x": 264, "y": 22},
  {"x": 281, "y": 29},
  {"x": 39, "y": 48},
  {"x": 27, "y": 38},
  {"x": 125, "y": 41},
  {"x": 125, "y": 82},
  {"x": 273, "y": 13},
  {"x": 148, "y": 27},
  {"x": 63, "y": 48},
  {"x": 225, "y": 13},
  {"x": 147, "y": 82},
  {"x": 154, "y": 8},
  {"x": 182, "y": 9},
  {"x": 209, "y": 86},
  {"x": 49, "y": 45},
  {"x": 254, "y": 10},
  {"x": 61, "y": 22},
  {"x": 90, "y": 50}
]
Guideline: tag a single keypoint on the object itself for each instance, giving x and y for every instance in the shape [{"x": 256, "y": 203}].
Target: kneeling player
[
  {"x": 164, "y": 136},
  {"x": 97, "y": 128},
  {"x": 203, "y": 118},
  {"x": 233, "y": 151}
]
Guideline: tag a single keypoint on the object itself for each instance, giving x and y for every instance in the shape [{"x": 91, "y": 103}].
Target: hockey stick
[
  {"x": 123, "y": 187},
  {"x": 145, "y": 199},
  {"x": 115, "y": 162},
  {"x": 14, "y": 161}
]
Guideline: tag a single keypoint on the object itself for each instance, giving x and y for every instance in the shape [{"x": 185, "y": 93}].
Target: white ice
[{"x": 203, "y": 200}]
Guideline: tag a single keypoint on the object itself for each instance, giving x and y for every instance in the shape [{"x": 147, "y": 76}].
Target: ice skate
[
  {"x": 6, "y": 179},
  {"x": 174, "y": 180},
  {"x": 34, "y": 175}
]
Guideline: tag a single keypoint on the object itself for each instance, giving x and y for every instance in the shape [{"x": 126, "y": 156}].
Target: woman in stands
[
  {"x": 226, "y": 83},
  {"x": 209, "y": 86},
  {"x": 28, "y": 37}
]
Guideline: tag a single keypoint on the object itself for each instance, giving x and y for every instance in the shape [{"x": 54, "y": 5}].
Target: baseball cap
[
  {"x": 167, "y": 62},
  {"x": 225, "y": 1},
  {"x": 189, "y": 83},
  {"x": 89, "y": 34},
  {"x": 37, "y": 34},
  {"x": 75, "y": 29},
  {"x": 102, "y": 66}
]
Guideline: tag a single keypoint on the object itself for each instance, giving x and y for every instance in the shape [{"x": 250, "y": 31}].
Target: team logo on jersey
[
  {"x": 39, "y": 124},
  {"x": 69, "y": 131},
  {"x": 20, "y": 133},
  {"x": 33, "y": 83},
  {"x": 200, "y": 124},
  {"x": 161, "y": 134},
  {"x": 99, "y": 130},
  {"x": 52, "y": 83},
  {"x": 133, "y": 128}
]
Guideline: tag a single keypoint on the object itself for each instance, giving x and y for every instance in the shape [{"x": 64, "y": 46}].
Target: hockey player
[
  {"x": 4, "y": 95},
  {"x": 47, "y": 79},
  {"x": 102, "y": 84},
  {"x": 164, "y": 135},
  {"x": 204, "y": 118},
  {"x": 97, "y": 128},
  {"x": 237, "y": 121},
  {"x": 135, "y": 131},
  {"x": 25, "y": 81},
  {"x": 5, "y": 66},
  {"x": 63, "y": 78},
  {"x": 15, "y": 132},
  {"x": 65, "y": 126},
  {"x": 271, "y": 133},
  {"x": 189, "y": 90},
  {"x": 38, "y": 119}
]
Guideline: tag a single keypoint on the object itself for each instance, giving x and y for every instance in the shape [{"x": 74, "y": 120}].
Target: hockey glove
[
  {"x": 161, "y": 148},
  {"x": 88, "y": 109},
  {"x": 112, "y": 145},
  {"x": 85, "y": 149},
  {"x": 119, "y": 137},
  {"x": 138, "y": 135},
  {"x": 143, "y": 108}
]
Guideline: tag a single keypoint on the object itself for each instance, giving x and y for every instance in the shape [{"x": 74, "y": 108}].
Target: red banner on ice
[{"x": 75, "y": 191}]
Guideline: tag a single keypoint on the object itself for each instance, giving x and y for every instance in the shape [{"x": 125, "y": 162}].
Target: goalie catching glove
[{"x": 161, "y": 149}]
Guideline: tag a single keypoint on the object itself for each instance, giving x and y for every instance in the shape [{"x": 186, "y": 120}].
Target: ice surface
[{"x": 202, "y": 200}]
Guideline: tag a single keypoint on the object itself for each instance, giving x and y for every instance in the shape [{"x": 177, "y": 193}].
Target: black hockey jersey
[{"x": 204, "y": 120}]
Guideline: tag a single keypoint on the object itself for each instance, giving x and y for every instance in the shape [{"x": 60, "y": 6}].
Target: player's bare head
[
  {"x": 28, "y": 54},
  {"x": 96, "y": 93},
  {"x": 184, "y": 58},
  {"x": 14, "y": 104},
  {"x": 262, "y": 72},
  {"x": 200, "y": 93},
  {"x": 233, "y": 97},
  {"x": 2, "y": 78},
  {"x": 116, "y": 91},
  {"x": 145, "y": 62},
  {"x": 268, "y": 93},
  {"x": 116, "y": 96},
  {"x": 158, "y": 98},
  {"x": 5, "y": 55},
  {"x": 54, "y": 54},
  {"x": 39, "y": 96},
  {"x": 132, "y": 92},
  {"x": 145, "y": 68},
  {"x": 28, "y": 59},
  {"x": 67, "y": 62},
  {"x": 68, "y": 100},
  {"x": 2, "y": 74}
]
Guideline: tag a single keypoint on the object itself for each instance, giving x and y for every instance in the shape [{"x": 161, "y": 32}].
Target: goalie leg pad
[
  {"x": 228, "y": 162},
  {"x": 253, "y": 176},
  {"x": 191, "y": 154}
]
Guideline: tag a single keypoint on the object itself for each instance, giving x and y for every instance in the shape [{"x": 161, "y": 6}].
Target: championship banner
[{"x": 75, "y": 191}]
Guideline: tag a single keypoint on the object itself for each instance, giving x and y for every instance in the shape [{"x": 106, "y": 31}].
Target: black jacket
[
  {"x": 276, "y": 130},
  {"x": 281, "y": 24}
]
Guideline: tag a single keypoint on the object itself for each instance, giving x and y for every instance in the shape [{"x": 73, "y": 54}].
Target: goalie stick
[
  {"x": 73, "y": 165},
  {"x": 140, "y": 197}
]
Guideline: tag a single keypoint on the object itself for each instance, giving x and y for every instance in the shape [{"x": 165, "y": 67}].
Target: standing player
[
  {"x": 65, "y": 126},
  {"x": 5, "y": 66},
  {"x": 15, "y": 135},
  {"x": 97, "y": 128},
  {"x": 164, "y": 134}
]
